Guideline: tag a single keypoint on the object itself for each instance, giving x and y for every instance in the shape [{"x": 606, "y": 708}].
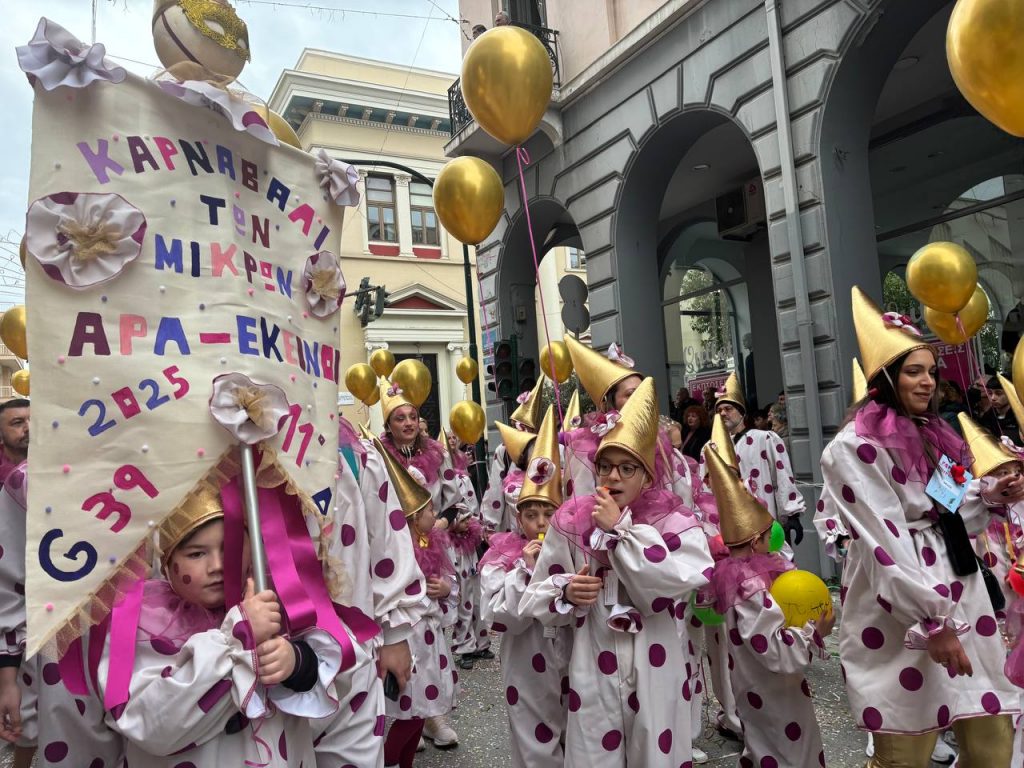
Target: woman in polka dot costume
[
  {"x": 534, "y": 659},
  {"x": 919, "y": 644},
  {"x": 617, "y": 567},
  {"x": 767, "y": 659}
]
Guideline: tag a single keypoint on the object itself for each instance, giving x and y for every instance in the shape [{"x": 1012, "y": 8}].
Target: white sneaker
[
  {"x": 869, "y": 750},
  {"x": 422, "y": 745},
  {"x": 440, "y": 731},
  {"x": 943, "y": 753},
  {"x": 699, "y": 755}
]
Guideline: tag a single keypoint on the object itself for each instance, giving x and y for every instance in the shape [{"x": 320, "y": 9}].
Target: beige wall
[{"x": 377, "y": 72}]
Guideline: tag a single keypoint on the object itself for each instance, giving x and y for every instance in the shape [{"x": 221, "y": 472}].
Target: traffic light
[
  {"x": 362, "y": 297},
  {"x": 504, "y": 384},
  {"x": 381, "y": 299},
  {"x": 526, "y": 369}
]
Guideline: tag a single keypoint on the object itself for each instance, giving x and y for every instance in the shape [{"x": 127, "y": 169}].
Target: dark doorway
[{"x": 431, "y": 409}]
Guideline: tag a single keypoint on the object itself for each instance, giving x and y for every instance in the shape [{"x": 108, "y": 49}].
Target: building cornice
[
  {"x": 327, "y": 117},
  {"x": 292, "y": 83}
]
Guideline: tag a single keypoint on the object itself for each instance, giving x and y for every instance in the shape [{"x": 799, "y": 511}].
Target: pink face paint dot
[
  {"x": 250, "y": 291},
  {"x": 66, "y": 468},
  {"x": 291, "y": 376},
  {"x": 201, "y": 452},
  {"x": 61, "y": 360}
]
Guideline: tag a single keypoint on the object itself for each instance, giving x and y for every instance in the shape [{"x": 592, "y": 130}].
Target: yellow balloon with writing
[
  {"x": 986, "y": 59},
  {"x": 802, "y": 596},
  {"x": 942, "y": 276},
  {"x": 414, "y": 380},
  {"x": 382, "y": 362},
  {"x": 361, "y": 381},
  {"x": 506, "y": 82},
  {"x": 469, "y": 199},
  {"x": 468, "y": 420},
  {"x": 466, "y": 369},
  {"x": 13, "y": 332},
  {"x": 19, "y": 382},
  {"x": 556, "y": 353},
  {"x": 971, "y": 318}
]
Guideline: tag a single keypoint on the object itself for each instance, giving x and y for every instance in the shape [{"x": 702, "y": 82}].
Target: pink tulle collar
[
  {"x": 167, "y": 618},
  {"x": 736, "y": 579},
  {"x": 432, "y": 553},
  {"x": 467, "y": 541},
  {"x": 428, "y": 459},
  {"x": 503, "y": 550}
]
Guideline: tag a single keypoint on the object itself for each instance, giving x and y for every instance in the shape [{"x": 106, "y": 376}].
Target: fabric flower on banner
[
  {"x": 84, "y": 238},
  {"x": 249, "y": 411},
  {"x": 616, "y": 355},
  {"x": 338, "y": 178},
  {"x": 323, "y": 283},
  {"x": 234, "y": 106},
  {"x": 394, "y": 391},
  {"x": 605, "y": 422},
  {"x": 896, "y": 320},
  {"x": 541, "y": 470},
  {"x": 55, "y": 57}
]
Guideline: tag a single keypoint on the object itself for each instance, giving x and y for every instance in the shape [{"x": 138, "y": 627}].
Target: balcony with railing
[{"x": 457, "y": 109}]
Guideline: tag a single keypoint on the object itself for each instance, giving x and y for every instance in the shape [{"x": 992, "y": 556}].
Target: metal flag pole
[{"x": 252, "y": 517}]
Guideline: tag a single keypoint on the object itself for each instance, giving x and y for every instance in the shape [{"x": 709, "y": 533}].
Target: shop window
[
  {"x": 380, "y": 209},
  {"x": 424, "y": 220}
]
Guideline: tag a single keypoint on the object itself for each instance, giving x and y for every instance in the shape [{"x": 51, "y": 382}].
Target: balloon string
[{"x": 523, "y": 156}]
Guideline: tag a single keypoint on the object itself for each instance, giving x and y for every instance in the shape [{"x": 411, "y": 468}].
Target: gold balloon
[
  {"x": 1017, "y": 369},
  {"x": 414, "y": 380},
  {"x": 12, "y": 331},
  {"x": 374, "y": 397},
  {"x": 506, "y": 83},
  {"x": 558, "y": 352},
  {"x": 360, "y": 380},
  {"x": 19, "y": 382},
  {"x": 382, "y": 362},
  {"x": 972, "y": 317},
  {"x": 942, "y": 276},
  {"x": 280, "y": 127},
  {"x": 22, "y": 253},
  {"x": 469, "y": 199},
  {"x": 986, "y": 59},
  {"x": 802, "y": 596},
  {"x": 468, "y": 421},
  {"x": 467, "y": 369}
]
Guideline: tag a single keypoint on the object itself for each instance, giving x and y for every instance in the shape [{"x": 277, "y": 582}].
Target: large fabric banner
[{"x": 168, "y": 247}]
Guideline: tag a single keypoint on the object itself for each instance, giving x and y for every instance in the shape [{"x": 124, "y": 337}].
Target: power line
[{"x": 332, "y": 10}]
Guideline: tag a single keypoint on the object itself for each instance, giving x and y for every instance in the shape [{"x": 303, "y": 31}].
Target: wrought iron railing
[{"x": 459, "y": 113}]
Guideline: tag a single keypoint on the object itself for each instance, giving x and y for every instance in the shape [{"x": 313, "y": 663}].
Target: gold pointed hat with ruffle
[
  {"x": 528, "y": 413},
  {"x": 733, "y": 394},
  {"x": 1011, "y": 395},
  {"x": 200, "y": 507},
  {"x": 721, "y": 441},
  {"x": 411, "y": 495},
  {"x": 516, "y": 441},
  {"x": 880, "y": 343},
  {"x": 596, "y": 372},
  {"x": 636, "y": 431},
  {"x": 989, "y": 454},
  {"x": 741, "y": 517},
  {"x": 573, "y": 416},
  {"x": 860, "y": 384},
  {"x": 543, "y": 477},
  {"x": 388, "y": 403}
]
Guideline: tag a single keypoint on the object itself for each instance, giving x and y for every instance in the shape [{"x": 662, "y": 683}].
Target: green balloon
[
  {"x": 705, "y": 614},
  {"x": 777, "y": 539}
]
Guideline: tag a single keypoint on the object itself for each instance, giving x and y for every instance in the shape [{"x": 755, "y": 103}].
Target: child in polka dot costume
[
  {"x": 614, "y": 567},
  {"x": 767, "y": 659},
  {"x": 534, "y": 658}
]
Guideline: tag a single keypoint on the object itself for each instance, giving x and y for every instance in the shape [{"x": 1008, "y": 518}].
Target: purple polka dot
[
  {"x": 911, "y": 678},
  {"x": 163, "y": 646},
  {"x": 883, "y": 557},
  {"x": 414, "y": 588},
  {"x": 754, "y": 700},
  {"x": 555, "y": 569},
  {"x": 943, "y": 716},
  {"x": 656, "y": 655},
  {"x": 872, "y": 718},
  {"x": 405, "y": 703},
  {"x": 382, "y": 492},
  {"x": 56, "y": 751},
  {"x": 665, "y": 741},
  {"x": 734, "y": 637},
  {"x": 428, "y": 637},
  {"x": 928, "y": 556},
  {"x": 634, "y": 701},
  {"x": 885, "y": 604},
  {"x": 80, "y": 705},
  {"x": 769, "y": 488},
  {"x": 956, "y": 589},
  {"x": 759, "y": 643},
  {"x": 892, "y": 528},
  {"x": 872, "y": 638},
  {"x": 805, "y": 688},
  {"x": 986, "y": 626},
  {"x": 443, "y": 661},
  {"x": 397, "y": 519},
  {"x": 991, "y": 703},
  {"x": 431, "y": 692},
  {"x": 769, "y": 762},
  {"x": 511, "y": 695},
  {"x": 942, "y": 589},
  {"x": 282, "y": 746},
  {"x": 538, "y": 662},
  {"x": 217, "y": 691},
  {"x": 672, "y": 541},
  {"x": 384, "y": 568},
  {"x": 611, "y": 740},
  {"x": 607, "y": 662},
  {"x": 848, "y": 494},
  {"x": 898, "y": 475},
  {"x": 348, "y": 535},
  {"x": 660, "y": 604},
  {"x": 449, "y": 474},
  {"x": 378, "y": 727},
  {"x": 989, "y": 560},
  {"x": 543, "y": 733},
  {"x": 51, "y": 674},
  {"x": 655, "y": 554},
  {"x": 755, "y": 472},
  {"x": 793, "y": 731},
  {"x": 574, "y": 701},
  {"x": 867, "y": 453}
]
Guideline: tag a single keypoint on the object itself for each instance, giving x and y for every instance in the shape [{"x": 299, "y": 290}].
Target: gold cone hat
[
  {"x": 860, "y": 384},
  {"x": 721, "y": 442},
  {"x": 442, "y": 438},
  {"x": 411, "y": 495},
  {"x": 733, "y": 393},
  {"x": 543, "y": 479},
  {"x": 596, "y": 372},
  {"x": 572, "y": 418},
  {"x": 388, "y": 403},
  {"x": 528, "y": 413},
  {"x": 1011, "y": 394},
  {"x": 879, "y": 343},
  {"x": 989, "y": 454},
  {"x": 202, "y": 505},
  {"x": 637, "y": 429},
  {"x": 516, "y": 441},
  {"x": 741, "y": 517}
]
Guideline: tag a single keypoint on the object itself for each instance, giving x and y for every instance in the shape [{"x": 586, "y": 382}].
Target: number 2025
[{"x": 128, "y": 403}]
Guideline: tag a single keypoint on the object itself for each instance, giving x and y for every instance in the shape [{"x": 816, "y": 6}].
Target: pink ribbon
[{"x": 124, "y": 626}]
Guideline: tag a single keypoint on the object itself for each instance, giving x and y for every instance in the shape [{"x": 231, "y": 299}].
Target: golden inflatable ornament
[
  {"x": 206, "y": 32},
  {"x": 802, "y": 596},
  {"x": 942, "y": 276},
  {"x": 22, "y": 253},
  {"x": 468, "y": 421},
  {"x": 986, "y": 59},
  {"x": 414, "y": 380},
  {"x": 382, "y": 362},
  {"x": 469, "y": 199},
  {"x": 972, "y": 317},
  {"x": 506, "y": 83},
  {"x": 19, "y": 382},
  {"x": 467, "y": 370},
  {"x": 280, "y": 127},
  {"x": 1016, "y": 368},
  {"x": 374, "y": 397},
  {"x": 556, "y": 352},
  {"x": 12, "y": 331},
  {"x": 360, "y": 380}
]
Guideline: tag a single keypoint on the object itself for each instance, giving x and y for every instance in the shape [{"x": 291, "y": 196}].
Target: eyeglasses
[{"x": 626, "y": 469}]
